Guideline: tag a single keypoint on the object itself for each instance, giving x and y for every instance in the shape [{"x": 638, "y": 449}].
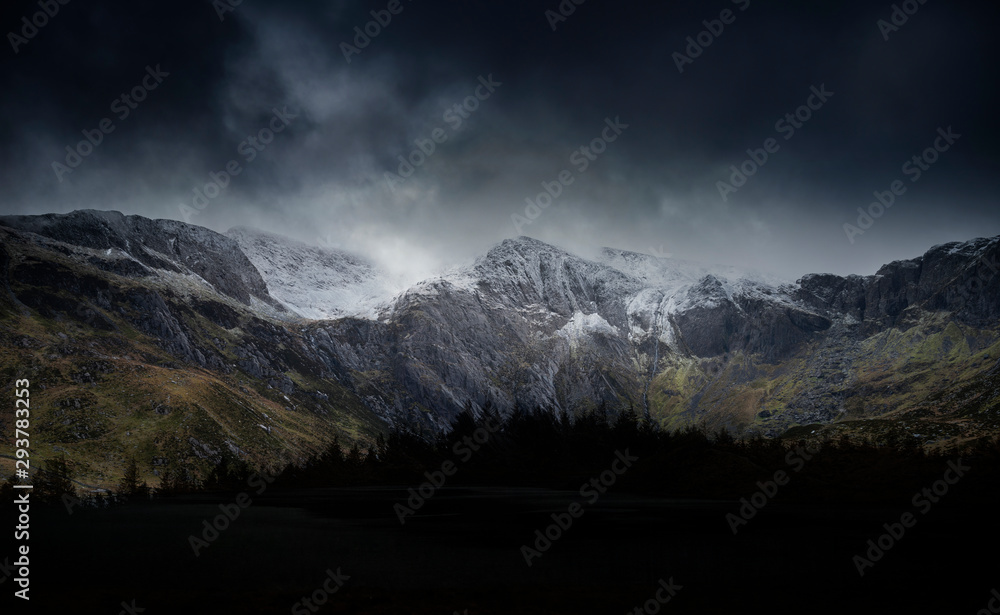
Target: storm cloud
[{"x": 347, "y": 99}]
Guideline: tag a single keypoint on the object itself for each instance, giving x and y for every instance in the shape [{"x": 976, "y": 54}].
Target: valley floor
[{"x": 461, "y": 552}]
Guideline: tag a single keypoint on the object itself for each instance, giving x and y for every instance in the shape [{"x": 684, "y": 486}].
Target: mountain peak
[
  {"x": 163, "y": 245},
  {"x": 524, "y": 244},
  {"x": 314, "y": 282}
]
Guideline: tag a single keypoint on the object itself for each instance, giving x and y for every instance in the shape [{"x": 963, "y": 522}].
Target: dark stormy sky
[{"x": 322, "y": 179}]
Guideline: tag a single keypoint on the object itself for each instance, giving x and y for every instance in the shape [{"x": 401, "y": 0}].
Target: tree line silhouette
[{"x": 549, "y": 449}]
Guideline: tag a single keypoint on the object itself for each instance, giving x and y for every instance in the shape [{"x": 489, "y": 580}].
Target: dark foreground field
[{"x": 461, "y": 552}]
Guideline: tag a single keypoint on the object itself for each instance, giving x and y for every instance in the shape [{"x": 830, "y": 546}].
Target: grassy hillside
[
  {"x": 102, "y": 390},
  {"x": 937, "y": 382}
]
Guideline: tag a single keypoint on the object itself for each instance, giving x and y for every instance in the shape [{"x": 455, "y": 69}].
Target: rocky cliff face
[
  {"x": 322, "y": 338},
  {"x": 530, "y": 324},
  {"x": 133, "y": 246},
  {"x": 959, "y": 278}
]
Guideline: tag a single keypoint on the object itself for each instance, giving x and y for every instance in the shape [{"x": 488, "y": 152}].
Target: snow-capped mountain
[
  {"x": 315, "y": 283},
  {"x": 532, "y": 324},
  {"x": 527, "y": 325}
]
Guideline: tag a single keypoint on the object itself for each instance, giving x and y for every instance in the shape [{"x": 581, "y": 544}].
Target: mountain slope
[
  {"x": 137, "y": 246},
  {"x": 225, "y": 330},
  {"x": 153, "y": 360},
  {"x": 530, "y": 324},
  {"x": 316, "y": 283}
]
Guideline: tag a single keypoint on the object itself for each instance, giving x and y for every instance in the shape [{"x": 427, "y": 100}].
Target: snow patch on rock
[
  {"x": 583, "y": 325},
  {"x": 316, "y": 283}
]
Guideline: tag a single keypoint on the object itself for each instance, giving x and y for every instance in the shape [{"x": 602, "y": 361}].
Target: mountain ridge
[{"x": 525, "y": 325}]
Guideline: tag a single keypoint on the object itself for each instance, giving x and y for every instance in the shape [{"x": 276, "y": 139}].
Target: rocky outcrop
[
  {"x": 166, "y": 245},
  {"x": 526, "y": 325},
  {"x": 960, "y": 278}
]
